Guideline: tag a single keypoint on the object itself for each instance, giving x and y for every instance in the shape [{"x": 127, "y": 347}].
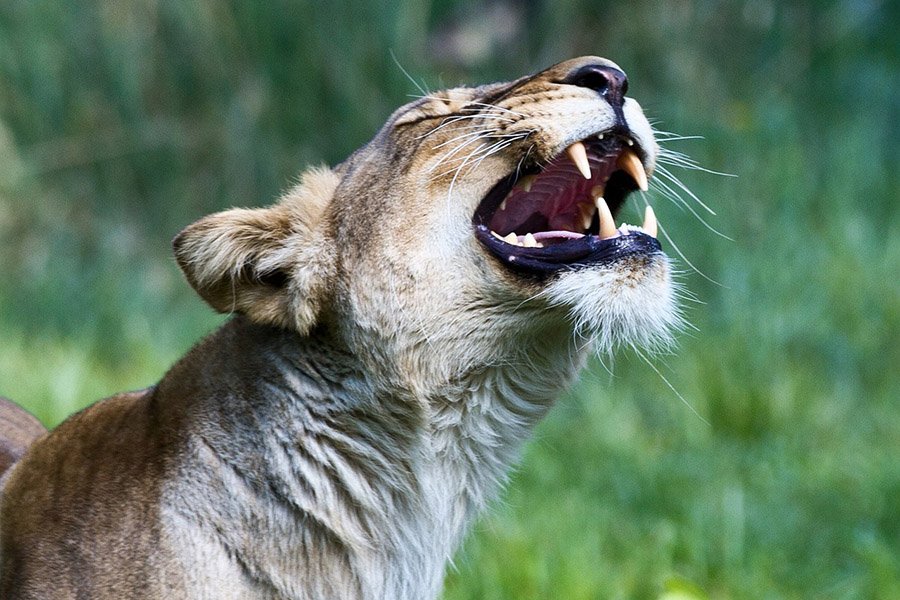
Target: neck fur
[{"x": 390, "y": 479}]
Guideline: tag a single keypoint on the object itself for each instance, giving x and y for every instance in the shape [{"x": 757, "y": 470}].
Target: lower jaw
[{"x": 575, "y": 252}]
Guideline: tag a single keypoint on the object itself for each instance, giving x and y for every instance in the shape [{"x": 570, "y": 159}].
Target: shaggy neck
[
  {"x": 478, "y": 426},
  {"x": 471, "y": 431},
  {"x": 384, "y": 481}
]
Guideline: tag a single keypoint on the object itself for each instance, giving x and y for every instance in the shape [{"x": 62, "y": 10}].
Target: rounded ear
[{"x": 272, "y": 264}]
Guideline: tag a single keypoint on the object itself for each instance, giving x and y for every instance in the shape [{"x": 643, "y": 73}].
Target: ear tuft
[{"x": 272, "y": 264}]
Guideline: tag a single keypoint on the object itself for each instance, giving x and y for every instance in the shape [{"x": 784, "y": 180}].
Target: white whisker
[
  {"x": 444, "y": 123},
  {"x": 460, "y": 168},
  {"x": 524, "y": 158},
  {"x": 673, "y": 196},
  {"x": 689, "y": 164},
  {"x": 685, "y": 258},
  {"x": 493, "y": 150},
  {"x": 479, "y": 132},
  {"x": 450, "y": 154},
  {"x": 457, "y": 118},
  {"x": 419, "y": 87},
  {"x": 670, "y": 386},
  {"x": 668, "y": 174}
]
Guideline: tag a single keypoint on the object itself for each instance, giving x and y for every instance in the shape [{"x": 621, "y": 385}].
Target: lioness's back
[
  {"x": 18, "y": 430},
  {"x": 55, "y": 490}
]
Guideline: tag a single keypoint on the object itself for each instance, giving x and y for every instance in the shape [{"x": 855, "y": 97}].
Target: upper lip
[{"x": 561, "y": 215}]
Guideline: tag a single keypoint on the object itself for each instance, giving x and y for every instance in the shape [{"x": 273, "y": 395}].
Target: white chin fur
[{"x": 629, "y": 303}]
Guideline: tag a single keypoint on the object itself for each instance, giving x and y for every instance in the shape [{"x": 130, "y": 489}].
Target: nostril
[{"x": 607, "y": 81}]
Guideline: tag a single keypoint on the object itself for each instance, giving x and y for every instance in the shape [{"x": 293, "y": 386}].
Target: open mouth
[{"x": 562, "y": 215}]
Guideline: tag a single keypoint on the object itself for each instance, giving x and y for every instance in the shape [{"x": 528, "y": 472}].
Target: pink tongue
[{"x": 549, "y": 235}]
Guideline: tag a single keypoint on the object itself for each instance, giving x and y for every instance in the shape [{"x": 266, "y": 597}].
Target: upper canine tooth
[
  {"x": 578, "y": 154},
  {"x": 650, "y": 225},
  {"x": 631, "y": 164},
  {"x": 607, "y": 224}
]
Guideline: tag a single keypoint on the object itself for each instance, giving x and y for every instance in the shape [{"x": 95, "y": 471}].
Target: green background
[{"x": 123, "y": 121}]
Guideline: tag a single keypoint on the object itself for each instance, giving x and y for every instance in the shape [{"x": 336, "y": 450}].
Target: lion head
[{"x": 476, "y": 228}]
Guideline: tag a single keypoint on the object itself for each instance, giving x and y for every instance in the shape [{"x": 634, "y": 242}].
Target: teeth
[
  {"x": 586, "y": 212},
  {"x": 528, "y": 240},
  {"x": 526, "y": 182},
  {"x": 578, "y": 154},
  {"x": 599, "y": 200},
  {"x": 631, "y": 164},
  {"x": 607, "y": 224},
  {"x": 503, "y": 204},
  {"x": 649, "y": 226}
]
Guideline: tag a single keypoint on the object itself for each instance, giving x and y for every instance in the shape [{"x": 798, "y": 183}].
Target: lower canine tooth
[
  {"x": 512, "y": 238},
  {"x": 607, "y": 224},
  {"x": 529, "y": 241},
  {"x": 650, "y": 225}
]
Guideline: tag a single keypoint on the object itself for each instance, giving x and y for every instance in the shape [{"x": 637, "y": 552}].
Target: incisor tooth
[
  {"x": 650, "y": 225},
  {"x": 578, "y": 154},
  {"x": 512, "y": 238},
  {"x": 529, "y": 241},
  {"x": 631, "y": 164},
  {"x": 607, "y": 224}
]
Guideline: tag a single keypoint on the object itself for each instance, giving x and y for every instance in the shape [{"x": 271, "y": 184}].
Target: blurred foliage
[{"x": 121, "y": 121}]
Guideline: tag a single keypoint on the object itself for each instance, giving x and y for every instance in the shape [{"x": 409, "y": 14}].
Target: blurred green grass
[{"x": 121, "y": 122}]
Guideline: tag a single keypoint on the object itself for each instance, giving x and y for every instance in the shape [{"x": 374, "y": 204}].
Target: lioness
[{"x": 400, "y": 324}]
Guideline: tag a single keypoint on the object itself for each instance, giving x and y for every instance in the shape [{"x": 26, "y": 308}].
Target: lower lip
[{"x": 580, "y": 252}]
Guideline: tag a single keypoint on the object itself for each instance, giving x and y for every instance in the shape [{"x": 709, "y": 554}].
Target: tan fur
[
  {"x": 336, "y": 438},
  {"x": 229, "y": 256}
]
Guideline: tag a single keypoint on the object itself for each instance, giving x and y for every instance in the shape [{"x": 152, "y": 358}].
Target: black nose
[{"x": 609, "y": 82}]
